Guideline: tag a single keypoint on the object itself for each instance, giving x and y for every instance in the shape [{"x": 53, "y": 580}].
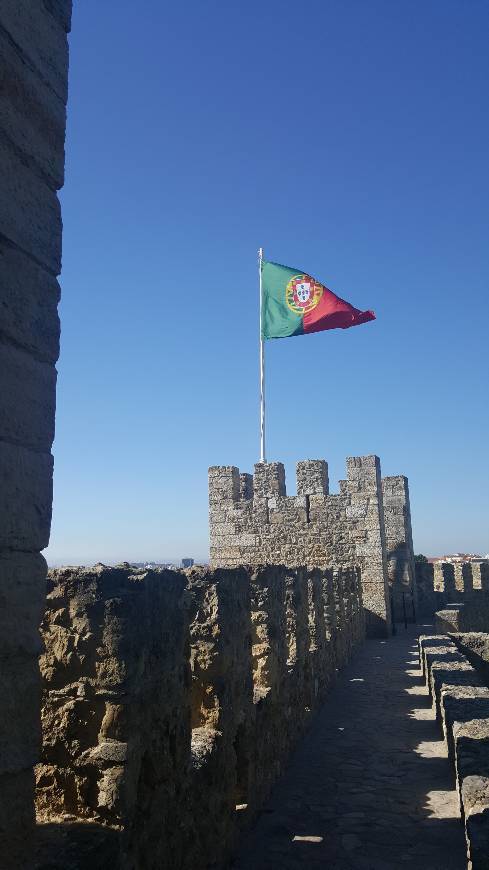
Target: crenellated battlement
[
  {"x": 367, "y": 524},
  {"x": 163, "y": 734}
]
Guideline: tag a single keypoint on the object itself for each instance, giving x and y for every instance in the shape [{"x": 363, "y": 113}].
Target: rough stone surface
[
  {"x": 29, "y": 421},
  {"x": 26, "y": 495},
  {"x": 33, "y": 86},
  {"x": 172, "y": 701},
  {"x": 22, "y": 595},
  {"x": 222, "y": 707},
  {"x": 115, "y": 710},
  {"x": 28, "y": 305},
  {"x": 463, "y": 705},
  {"x": 31, "y": 214},
  {"x": 399, "y": 543},
  {"x": 475, "y": 800},
  {"x": 470, "y": 615},
  {"x": 428, "y": 600},
  {"x": 461, "y": 587},
  {"x": 257, "y": 523}
]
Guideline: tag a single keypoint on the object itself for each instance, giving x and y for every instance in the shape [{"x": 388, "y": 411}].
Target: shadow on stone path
[{"x": 369, "y": 787}]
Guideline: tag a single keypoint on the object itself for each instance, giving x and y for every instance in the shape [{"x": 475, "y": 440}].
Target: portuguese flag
[{"x": 293, "y": 303}]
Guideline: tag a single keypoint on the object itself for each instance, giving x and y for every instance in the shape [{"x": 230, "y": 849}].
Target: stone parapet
[
  {"x": 456, "y": 669},
  {"x": 171, "y": 701},
  {"x": 116, "y": 704},
  {"x": 462, "y": 586}
]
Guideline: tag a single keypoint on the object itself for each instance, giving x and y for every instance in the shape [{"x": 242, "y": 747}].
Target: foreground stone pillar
[
  {"x": 269, "y": 659},
  {"x": 116, "y": 709},
  {"x": 297, "y": 621},
  {"x": 222, "y": 710},
  {"x": 34, "y": 52}
]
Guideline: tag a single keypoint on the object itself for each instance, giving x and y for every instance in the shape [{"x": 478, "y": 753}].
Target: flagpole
[{"x": 262, "y": 367}]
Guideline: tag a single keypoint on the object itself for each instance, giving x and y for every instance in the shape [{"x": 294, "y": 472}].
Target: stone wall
[
  {"x": 463, "y": 588},
  {"x": 115, "y": 707},
  {"x": 253, "y": 521},
  {"x": 171, "y": 702},
  {"x": 429, "y": 599},
  {"x": 456, "y": 669},
  {"x": 33, "y": 81}
]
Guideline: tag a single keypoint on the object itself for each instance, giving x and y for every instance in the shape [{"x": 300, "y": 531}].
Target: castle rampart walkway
[{"x": 369, "y": 787}]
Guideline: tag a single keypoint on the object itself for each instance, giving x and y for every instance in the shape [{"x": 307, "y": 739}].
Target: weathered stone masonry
[
  {"x": 462, "y": 587},
  {"x": 33, "y": 90},
  {"x": 253, "y": 521},
  {"x": 456, "y": 668},
  {"x": 171, "y": 701},
  {"x": 399, "y": 544}
]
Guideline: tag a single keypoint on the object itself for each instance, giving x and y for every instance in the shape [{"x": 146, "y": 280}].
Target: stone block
[
  {"x": 449, "y": 620},
  {"x": 364, "y": 470},
  {"x": 115, "y": 711},
  {"x": 33, "y": 117},
  {"x": 30, "y": 216},
  {"x": 268, "y": 632},
  {"x": 28, "y": 390},
  {"x": 221, "y": 703},
  {"x": 60, "y": 10},
  {"x": 475, "y": 803},
  {"x": 29, "y": 299},
  {"x": 224, "y": 484},
  {"x": 269, "y": 655},
  {"x": 452, "y": 673},
  {"x": 269, "y": 479},
  {"x": 322, "y": 659},
  {"x": 461, "y": 704},
  {"x": 463, "y": 577},
  {"x": 26, "y": 479},
  {"x": 22, "y": 597},
  {"x": 429, "y": 641},
  {"x": 471, "y": 740},
  {"x": 220, "y": 648},
  {"x": 444, "y": 580},
  {"x": 312, "y": 477},
  {"x": 40, "y": 41},
  {"x": 20, "y": 695},
  {"x": 472, "y": 766}
]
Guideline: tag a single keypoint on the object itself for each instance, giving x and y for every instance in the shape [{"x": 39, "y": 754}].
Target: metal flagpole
[{"x": 262, "y": 368}]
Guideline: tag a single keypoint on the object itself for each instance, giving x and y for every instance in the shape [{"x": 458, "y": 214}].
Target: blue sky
[{"x": 351, "y": 140}]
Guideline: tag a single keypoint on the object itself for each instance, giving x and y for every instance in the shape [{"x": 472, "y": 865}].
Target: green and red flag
[{"x": 293, "y": 303}]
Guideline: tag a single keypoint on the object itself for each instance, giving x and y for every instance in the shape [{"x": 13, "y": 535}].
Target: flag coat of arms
[{"x": 294, "y": 303}]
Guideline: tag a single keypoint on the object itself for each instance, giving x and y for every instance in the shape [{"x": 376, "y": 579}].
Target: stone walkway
[{"x": 370, "y": 787}]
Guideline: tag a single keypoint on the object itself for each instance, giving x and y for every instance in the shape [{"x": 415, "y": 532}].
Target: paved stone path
[{"x": 369, "y": 787}]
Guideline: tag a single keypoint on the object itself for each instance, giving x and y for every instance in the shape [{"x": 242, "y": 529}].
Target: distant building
[
  {"x": 187, "y": 563},
  {"x": 455, "y": 558},
  {"x": 151, "y": 565}
]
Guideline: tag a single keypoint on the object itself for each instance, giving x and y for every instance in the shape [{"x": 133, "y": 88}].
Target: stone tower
[{"x": 253, "y": 521}]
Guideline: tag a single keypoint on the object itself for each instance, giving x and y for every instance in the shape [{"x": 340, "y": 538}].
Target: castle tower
[{"x": 253, "y": 521}]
